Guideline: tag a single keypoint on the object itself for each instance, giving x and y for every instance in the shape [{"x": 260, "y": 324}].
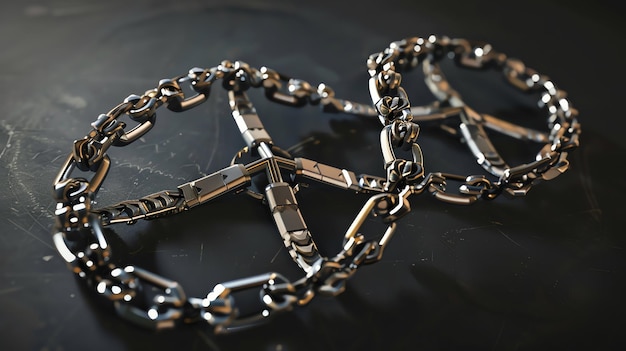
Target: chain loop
[
  {"x": 153, "y": 301},
  {"x": 156, "y": 302},
  {"x": 386, "y": 94}
]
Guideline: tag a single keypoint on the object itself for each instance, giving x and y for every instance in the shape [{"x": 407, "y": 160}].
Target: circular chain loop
[
  {"x": 551, "y": 160},
  {"x": 157, "y": 302}
]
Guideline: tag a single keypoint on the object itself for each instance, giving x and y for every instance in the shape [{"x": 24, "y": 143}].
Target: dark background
[{"x": 545, "y": 271}]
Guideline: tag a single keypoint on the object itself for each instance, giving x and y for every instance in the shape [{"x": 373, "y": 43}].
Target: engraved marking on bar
[
  {"x": 247, "y": 120},
  {"x": 290, "y": 224},
  {"x": 480, "y": 145},
  {"x": 209, "y": 187},
  {"x": 334, "y": 176}
]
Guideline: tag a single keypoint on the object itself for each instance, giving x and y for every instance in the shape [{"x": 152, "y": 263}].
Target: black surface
[{"x": 541, "y": 272}]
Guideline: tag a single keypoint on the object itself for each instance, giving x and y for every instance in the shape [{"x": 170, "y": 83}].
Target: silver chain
[
  {"x": 153, "y": 301},
  {"x": 400, "y": 118}
]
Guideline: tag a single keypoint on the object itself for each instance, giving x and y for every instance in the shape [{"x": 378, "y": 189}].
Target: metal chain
[
  {"x": 153, "y": 301},
  {"x": 150, "y": 300},
  {"x": 400, "y": 119}
]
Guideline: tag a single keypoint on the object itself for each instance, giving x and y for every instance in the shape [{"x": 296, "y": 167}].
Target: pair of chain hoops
[{"x": 153, "y": 301}]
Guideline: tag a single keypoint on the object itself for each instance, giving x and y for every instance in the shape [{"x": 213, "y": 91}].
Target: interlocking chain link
[
  {"x": 400, "y": 119},
  {"x": 154, "y": 301},
  {"x": 150, "y": 300}
]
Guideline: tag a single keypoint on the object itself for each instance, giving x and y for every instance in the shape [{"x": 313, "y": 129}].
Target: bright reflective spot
[
  {"x": 480, "y": 159},
  {"x": 116, "y": 272},
  {"x": 217, "y": 291},
  {"x": 129, "y": 269},
  {"x": 206, "y": 302},
  {"x": 116, "y": 289},
  {"x": 67, "y": 255},
  {"x": 550, "y": 87},
  {"x": 127, "y": 297},
  {"x": 73, "y": 220},
  {"x": 479, "y": 52},
  {"x": 432, "y": 38},
  {"x": 349, "y": 244},
  {"x": 323, "y": 90},
  {"x": 79, "y": 207},
  {"x": 160, "y": 299},
  {"x": 535, "y": 77},
  {"x": 265, "y": 313},
  {"x": 89, "y": 263},
  {"x": 207, "y": 316},
  {"x": 153, "y": 314},
  {"x": 168, "y": 291},
  {"x": 267, "y": 299},
  {"x": 545, "y": 98},
  {"x": 100, "y": 236},
  {"x": 271, "y": 282},
  {"x": 80, "y": 254},
  {"x": 101, "y": 288}
]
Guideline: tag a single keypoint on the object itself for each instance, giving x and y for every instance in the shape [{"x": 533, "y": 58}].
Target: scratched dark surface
[{"x": 541, "y": 272}]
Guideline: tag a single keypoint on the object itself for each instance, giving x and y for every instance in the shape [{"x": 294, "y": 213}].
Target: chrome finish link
[
  {"x": 379, "y": 201},
  {"x": 337, "y": 177},
  {"x": 296, "y": 236},
  {"x": 161, "y": 204},
  {"x": 220, "y": 303},
  {"x": 93, "y": 184},
  {"x": 247, "y": 119},
  {"x": 208, "y": 188},
  {"x": 164, "y": 309},
  {"x": 478, "y": 141},
  {"x": 327, "y": 174}
]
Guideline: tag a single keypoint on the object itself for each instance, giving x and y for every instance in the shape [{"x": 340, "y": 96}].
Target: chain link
[{"x": 156, "y": 302}]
